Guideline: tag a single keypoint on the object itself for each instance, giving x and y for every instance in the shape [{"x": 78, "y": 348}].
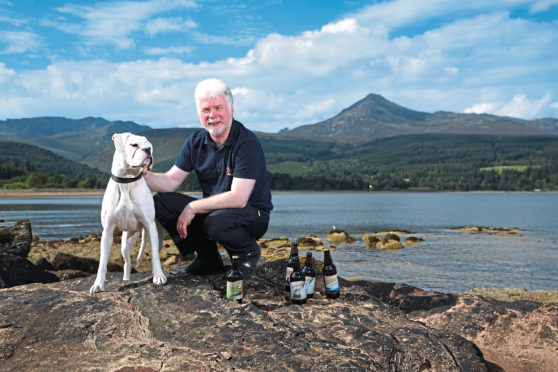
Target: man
[{"x": 229, "y": 162}]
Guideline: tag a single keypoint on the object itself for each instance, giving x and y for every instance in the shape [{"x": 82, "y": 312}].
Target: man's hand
[{"x": 184, "y": 221}]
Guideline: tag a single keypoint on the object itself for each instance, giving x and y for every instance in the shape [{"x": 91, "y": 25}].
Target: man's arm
[
  {"x": 237, "y": 197},
  {"x": 165, "y": 182}
]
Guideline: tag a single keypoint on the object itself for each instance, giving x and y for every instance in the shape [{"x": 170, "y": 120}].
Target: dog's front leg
[
  {"x": 159, "y": 277},
  {"x": 128, "y": 241},
  {"x": 106, "y": 244}
]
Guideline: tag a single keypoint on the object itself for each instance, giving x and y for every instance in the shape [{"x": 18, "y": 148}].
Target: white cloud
[
  {"x": 480, "y": 108},
  {"x": 169, "y": 50},
  {"x": 470, "y": 61},
  {"x": 19, "y": 41},
  {"x": 542, "y": 5},
  {"x": 113, "y": 23},
  {"x": 175, "y": 24},
  {"x": 521, "y": 106}
]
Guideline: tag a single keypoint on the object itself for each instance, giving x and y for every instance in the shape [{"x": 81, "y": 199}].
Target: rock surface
[
  {"x": 189, "y": 325},
  {"x": 16, "y": 239}
]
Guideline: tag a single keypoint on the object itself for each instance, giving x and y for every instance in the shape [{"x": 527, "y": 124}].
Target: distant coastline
[{"x": 40, "y": 193}]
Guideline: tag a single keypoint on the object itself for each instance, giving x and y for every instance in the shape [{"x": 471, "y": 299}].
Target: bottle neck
[{"x": 327, "y": 257}]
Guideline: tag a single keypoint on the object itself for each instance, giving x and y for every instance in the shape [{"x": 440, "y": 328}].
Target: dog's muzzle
[{"x": 147, "y": 151}]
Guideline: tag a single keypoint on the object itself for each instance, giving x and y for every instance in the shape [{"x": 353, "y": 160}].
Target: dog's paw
[
  {"x": 97, "y": 287},
  {"x": 159, "y": 279}
]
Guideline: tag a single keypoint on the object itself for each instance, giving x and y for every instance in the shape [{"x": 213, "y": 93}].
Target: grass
[{"x": 500, "y": 168}]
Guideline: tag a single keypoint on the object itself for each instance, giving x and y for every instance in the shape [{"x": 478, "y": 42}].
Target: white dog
[{"x": 128, "y": 205}]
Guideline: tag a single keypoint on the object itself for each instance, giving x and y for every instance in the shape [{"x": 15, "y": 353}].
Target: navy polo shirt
[{"x": 240, "y": 156}]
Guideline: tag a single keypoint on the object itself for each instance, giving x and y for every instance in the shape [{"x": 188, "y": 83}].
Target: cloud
[
  {"x": 542, "y": 5},
  {"x": 471, "y": 57},
  {"x": 19, "y": 41},
  {"x": 169, "y": 50},
  {"x": 520, "y": 106},
  {"x": 175, "y": 24},
  {"x": 113, "y": 23}
]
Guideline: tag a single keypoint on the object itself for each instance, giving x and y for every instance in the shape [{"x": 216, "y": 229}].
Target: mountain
[
  {"x": 70, "y": 138},
  {"x": 375, "y": 117},
  {"x": 166, "y": 145},
  {"x": 33, "y": 158}
]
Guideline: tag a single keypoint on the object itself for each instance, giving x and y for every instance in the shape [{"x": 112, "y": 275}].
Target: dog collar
[{"x": 125, "y": 179}]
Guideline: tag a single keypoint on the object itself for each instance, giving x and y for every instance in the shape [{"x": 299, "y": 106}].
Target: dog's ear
[{"x": 119, "y": 140}]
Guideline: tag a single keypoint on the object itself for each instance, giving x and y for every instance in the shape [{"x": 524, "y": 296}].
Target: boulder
[
  {"x": 310, "y": 243},
  {"x": 16, "y": 270},
  {"x": 65, "y": 261},
  {"x": 411, "y": 241},
  {"x": 189, "y": 325},
  {"x": 370, "y": 240},
  {"x": 517, "y": 336},
  {"x": 16, "y": 240},
  {"x": 339, "y": 237},
  {"x": 390, "y": 242}
]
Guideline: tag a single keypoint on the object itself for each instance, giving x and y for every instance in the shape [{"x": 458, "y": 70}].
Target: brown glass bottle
[
  {"x": 297, "y": 284},
  {"x": 235, "y": 282},
  {"x": 331, "y": 280},
  {"x": 310, "y": 274},
  {"x": 290, "y": 265}
]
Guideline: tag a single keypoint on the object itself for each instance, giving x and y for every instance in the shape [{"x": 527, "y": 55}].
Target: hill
[
  {"x": 166, "y": 145},
  {"x": 70, "y": 138},
  {"x": 375, "y": 117}
]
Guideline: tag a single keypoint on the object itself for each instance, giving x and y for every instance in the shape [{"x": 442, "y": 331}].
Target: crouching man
[{"x": 229, "y": 162}]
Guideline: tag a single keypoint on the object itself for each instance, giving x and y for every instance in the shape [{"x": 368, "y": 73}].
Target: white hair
[{"x": 212, "y": 88}]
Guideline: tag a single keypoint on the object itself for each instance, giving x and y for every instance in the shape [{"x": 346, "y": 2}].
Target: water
[{"x": 447, "y": 260}]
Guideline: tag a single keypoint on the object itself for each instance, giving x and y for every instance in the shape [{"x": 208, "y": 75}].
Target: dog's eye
[{"x": 134, "y": 145}]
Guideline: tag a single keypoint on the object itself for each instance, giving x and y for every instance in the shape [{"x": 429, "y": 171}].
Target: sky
[{"x": 288, "y": 63}]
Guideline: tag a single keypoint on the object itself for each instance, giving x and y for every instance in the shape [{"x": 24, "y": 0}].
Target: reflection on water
[{"x": 448, "y": 260}]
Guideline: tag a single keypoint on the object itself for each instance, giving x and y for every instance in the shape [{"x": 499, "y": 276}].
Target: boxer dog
[{"x": 128, "y": 205}]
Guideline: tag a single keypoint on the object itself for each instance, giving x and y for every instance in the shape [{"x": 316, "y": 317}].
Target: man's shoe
[
  {"x": 201, "y": 266},
  {"x": 247, "y": 263}
]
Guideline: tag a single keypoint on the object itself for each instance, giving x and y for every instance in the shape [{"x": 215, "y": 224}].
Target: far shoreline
[{"x": 39, "y": 193}]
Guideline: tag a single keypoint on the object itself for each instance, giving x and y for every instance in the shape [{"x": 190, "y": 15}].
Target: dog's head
[{"x": 136, "y": 150}]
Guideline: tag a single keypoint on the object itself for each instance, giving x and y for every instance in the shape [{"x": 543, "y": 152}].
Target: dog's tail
[{"x": 142, "y": 247}]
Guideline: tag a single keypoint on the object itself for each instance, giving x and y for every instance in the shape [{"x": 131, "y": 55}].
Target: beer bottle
[
  {"x": 290, "y": 265},
  {"x": 310, "y": 274},
  {"x": 235, "y": 282},
  {"x": 297, "y": 284},
  {"x": 330, "y": 276}
]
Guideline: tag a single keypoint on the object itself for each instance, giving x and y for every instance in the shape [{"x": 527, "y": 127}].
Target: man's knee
[{"x": 217, "y": 223}]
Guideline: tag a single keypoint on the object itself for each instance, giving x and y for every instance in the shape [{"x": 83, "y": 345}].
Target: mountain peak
[{"x": 376, "y": 117}]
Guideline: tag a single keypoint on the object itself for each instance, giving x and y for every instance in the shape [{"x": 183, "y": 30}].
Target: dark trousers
[{"x": 235, "y": 228}]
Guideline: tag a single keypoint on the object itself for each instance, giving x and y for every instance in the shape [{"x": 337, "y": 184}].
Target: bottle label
[
  {"x": 310, "y": 284},
  {"x": 289, "y": 272},
  {"x": 298, "y": 290},
  {"x": 331, "y": 283},
  {"x": 235, "y": 290}
]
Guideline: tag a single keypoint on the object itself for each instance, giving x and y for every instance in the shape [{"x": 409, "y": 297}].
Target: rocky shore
[{"x": 189, "y": 325}]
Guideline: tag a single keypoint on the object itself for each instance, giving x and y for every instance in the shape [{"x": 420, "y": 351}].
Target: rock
[
  {"x": 43, "y": 264},
  {"x": 412, "y": 241},
  {"x": 370, "y": 240},
  {"x": 408, "y": 298},
  {"x": 16, "y": 270},
  {"x": 516, "y": 336},
  {"x": 339, "y": 237},
  {"x": 310, "y": 243},
  {"x": 189, "y": 325},
  {"x": 390, "y": 242},
  {"x": 516, "y": 294},
  {"x": 16, "y": 240},
  {"x": 64, "y": 261}
]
